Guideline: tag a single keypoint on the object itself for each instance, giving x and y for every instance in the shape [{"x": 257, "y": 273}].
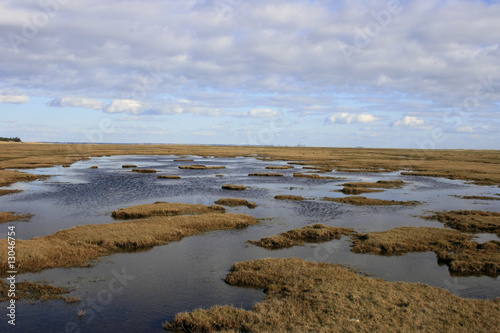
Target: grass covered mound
[
  {"x": 312, "y": 176},
  {"x": 232, "y": 202},
  {"x": 200, "y": 167},
  {"x": 234, "y": 187},
  {"x": 144, "y": 170},
  {"x": 315, "y": 233},
  {"x": 32, "y": 291},
  {"x": 263, "y": 174},
  {"x": 304, "y": 296},
  {"x": 164, "y": 209},
  {"x": 289, "y": 197},
  {"x": 469, "y": 220},
  {"x": 79, "y": 246},
  {"x": 379, "y": 184},
  {"x": 126, "y": 166},
  {"x": 11, "y": 217},
  {"x": 363, "y": 201},
  {"x": 455, "y": 249},
  {"x": 169, "y": 177},
  {"x": 280, "y": 167},
  {"x": 6, "y": 192}
]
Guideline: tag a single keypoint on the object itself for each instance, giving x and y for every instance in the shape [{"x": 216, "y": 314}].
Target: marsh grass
[
  {"x": 280, "y": 167},
  {"x": 11, "y": 217},
  {"x": 164, "y": 209},
  {"x": 33, "y": 291},
  {"x": 82, "y": 245},
  {"x": 200, "y": 167},
  {"x": 263, "y": 174},
  {"x": 144, "y": 170},
  {"x": 453, "y": 248},
  {"x": 289, "y": 197},
  {"x": 312, "y": 176},
  {"x": 126, "y": 166},
  {"x": 169, "y": 177},
  {"x": 315, "y": 233},
  {"x": 94, "y": 167},
  {"x": 183, "y": 160},
  {"x": 387, "y": 184},
  {"x": 234, "y": 187},
  {"x": 304, "y": 296},
  {"x": 469, "y": 220},
  {"x": 476, "y": 197},
  {"x": 232, "y": 202},
  {"x": 363, "y": 201},
  {"x": 358, "y": 190},
  {"x": 7, "y": 192}
]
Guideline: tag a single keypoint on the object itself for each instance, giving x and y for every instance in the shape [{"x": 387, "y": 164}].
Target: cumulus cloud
[
  {"x": 409, "y": 121},
  {"x": 124, "y": 105},
  {"x": 351, "y": 118},
  {"x": 17, "y": 99},
  {"x": 262, "y": 113},
  {"x": 78, "y": 102}
]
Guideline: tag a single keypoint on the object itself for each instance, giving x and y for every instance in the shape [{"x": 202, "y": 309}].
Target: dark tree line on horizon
[{"x": 16, "y": 139}]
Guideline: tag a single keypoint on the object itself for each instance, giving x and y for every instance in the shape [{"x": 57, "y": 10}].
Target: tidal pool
[{"x": 181, "y": 276}]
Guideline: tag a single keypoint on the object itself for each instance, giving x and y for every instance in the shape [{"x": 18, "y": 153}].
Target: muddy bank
[{"x": 303, "y": 296}]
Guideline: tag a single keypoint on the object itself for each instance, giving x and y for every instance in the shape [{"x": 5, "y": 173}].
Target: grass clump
[
  {"x": 358, "y": 190},
  {"x": 469, "y": 220},
  {"x": 82, "y": 245},
  {"x": 11, "y": 217},
  {"x": 168, "y": 177},
  {"x": 304, "y": 296},
  {"x": 6, "y": 192},
  {"x": 476, "y": 197},
  {"x": 289, "y": 197},
  {"x": 94, "y": 167},
  {"x": 453, "y": 248},
  {"x": 312, "y": 176},
  {"x": 164, "y": 209},
  {"x": 379, "y": 184},
  {"x": 234, "y": 187},
  {"x": 126, "y": 166},
  {"x": 200, "y": 167},
  {"x": 315, "y": 233},
  {"x": 232, "y": 202},
  {"x": 32, "y": 291},
  {"x": 280, "y": 167},
  {"x": 144, "y": 170},
  {"x": 183, "y": 160},
  {"x": 363, "y": 201},
  {"x": 263, "y": 174}
]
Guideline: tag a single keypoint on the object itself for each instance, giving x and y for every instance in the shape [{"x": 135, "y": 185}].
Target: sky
[{"x": 391, "y": 74}]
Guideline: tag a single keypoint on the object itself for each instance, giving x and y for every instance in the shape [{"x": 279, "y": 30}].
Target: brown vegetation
[
  {"x": 164, "y": 209},
  {"x": 232, "y": 202},
  {"x": 358, "y": 190},
  {"x": 281, "y": 167},
  {"x": 476, "y": 197},
  {"x": 312, "y": 176},
  {"x": 469, "y": 220},
  {"x": 32, "y": 291},
  {"x": 6, "y": 192},
  {"x": 144, "y": 170},
  {"x": 81, "y": 245},
  {"x": 263, "y": 174},
  {"x": 289, "y": 197},
  {"x": 94, "y": 167},
  {"x": 363, "y": 201},
  {"x": 183, "y": 160},
  {"x": 304, "y": 296},
  {"x": 234, "y": 187},
  {"x": 455, "y": 249},
  {"x": 168, "y": 177},
  {"x": 315, "y": 233},
  {"x": 125, "y": 166},
  {"x": 200, "y": 167},
  {"x": 11, "y": 217},
  {"x": 378, "y": 184}
]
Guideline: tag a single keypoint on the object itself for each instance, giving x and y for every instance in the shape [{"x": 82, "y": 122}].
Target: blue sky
[{"x": 414, "y": 74}]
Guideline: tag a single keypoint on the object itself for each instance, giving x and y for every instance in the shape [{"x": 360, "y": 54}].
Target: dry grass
[
  {"x": 469, "y": 220},
  {"x": 168, "y": 177},
  {"x": 32, "y": 291},
  {"x": 312, "y": 176},
  {"x": 6, "y": 192},
  {"x": 358, "y": 190},
  {"x": 232, "y": 202},
  {"x": 126, "y": 166},
  {"x": 281, "y": 167},
  {"x": 363, "y": 201},
  {"x": 94, "y": 167},
  {"x": 164, "y": 209},
  {"x": 81, "y": 245},
  {"x": 476, "y": 197},
  {"x": 200, "y": 167},
  {"x": 379, "y": 184},
  {"x": 11, "y": 217},
  {"x": 303, "y": 296},
  {"x": 289, "y": 197},
  {"x": 234, "y": 187},
  {"x": 263, "y": 174},
  {"x": 183, "y": 160},
  {"x": 457, "y": 250},
  {"x": 315, "y": 233},
  {"x": 144, "y": 170}
]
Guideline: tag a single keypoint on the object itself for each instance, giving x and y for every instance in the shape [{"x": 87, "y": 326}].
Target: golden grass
[
  {"x": 363, "y": 201},
  {"x": 289, "y": 197},
  {"x": 281, "y": 167},
  {"x": 303, "y": 296},
  {"x": 183, "y": 160},
  {"x": 7, "y": 192},
  {"x": 476, "y": 197},
  {"x": 312, "y": 176},
  {"x": 200, "y": 167},
  {"x": 379, "y": 184},
  {"x": 144, "y": 170},
  {"x": 315, "y": 233},
  {"x": 81, "y": 245},
  {"x": 169, "y": 177},
  {"x": 469, "y": 220},
  {"x": 263, "y": 174},
  {"x": 32, "y": 291},
  {"x": 234, "y": 187},
  {"x": 457, "y": 250},
  {"x": 232, "y": 202},
  {"x": 164, "y": 209},
  {"x": 358, "y": 190},
  {"x": 11, "y": 217},
  {"x": 94, "y": 167},
  {"x": 126, "y": 166}
]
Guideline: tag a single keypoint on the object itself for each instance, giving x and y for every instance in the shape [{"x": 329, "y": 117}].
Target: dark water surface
[{"x": 140, "y": 290}]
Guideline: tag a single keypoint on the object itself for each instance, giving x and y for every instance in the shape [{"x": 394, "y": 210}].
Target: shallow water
[{"x": 185, "y": 275}]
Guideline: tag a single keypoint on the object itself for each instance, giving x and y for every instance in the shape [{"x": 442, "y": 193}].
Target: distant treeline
[{"x": 16, "y": 139}]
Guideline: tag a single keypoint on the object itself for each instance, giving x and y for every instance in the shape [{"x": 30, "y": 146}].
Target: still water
[{"x": 140, "y": 290}]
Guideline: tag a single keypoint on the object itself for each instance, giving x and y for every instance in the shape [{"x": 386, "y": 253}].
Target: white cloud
[
  {"x": 351, "y": 118},
  {"x": 78, "y": 102},
  {"x": 124, "y": 105},
  {"x": 409, "y": 121},
  {"x": 262, "y": 113},
  {"x": 17, "y": 99}
]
